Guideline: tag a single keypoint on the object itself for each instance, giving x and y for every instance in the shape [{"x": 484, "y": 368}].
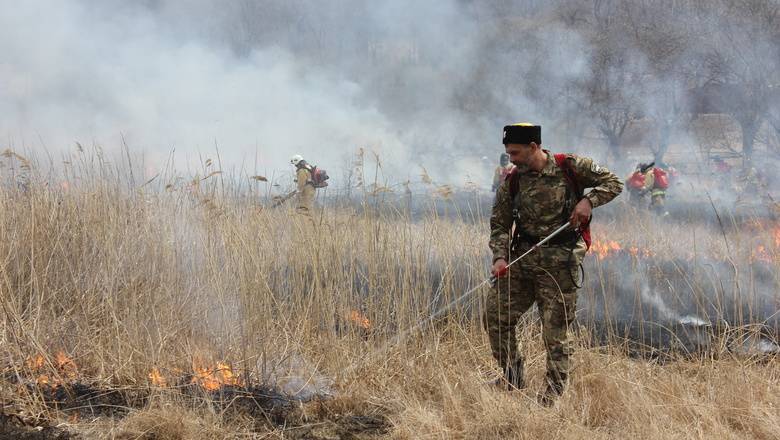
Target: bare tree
[
  {"x": 612, "y": 91},
  {"x": 663, "y": 34},
  {"x": 741, "y": 62}
]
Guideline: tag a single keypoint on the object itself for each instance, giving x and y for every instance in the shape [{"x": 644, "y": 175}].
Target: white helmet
[{"x": 296, "y": 159}]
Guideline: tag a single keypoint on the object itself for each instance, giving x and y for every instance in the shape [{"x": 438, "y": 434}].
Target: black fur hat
[{"x": 522, "y": 133}]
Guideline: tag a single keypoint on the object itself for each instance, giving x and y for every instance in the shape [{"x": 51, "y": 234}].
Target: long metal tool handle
[
  {"x": 429, "y": 320},
  {"x": 494, "y": 278},
  {"x": 279, "y": 201}
]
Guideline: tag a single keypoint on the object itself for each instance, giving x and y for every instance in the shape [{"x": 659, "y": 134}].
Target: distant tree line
[
  {"x": 666, "y": 61},
  {"x": 595, "y": 65}
]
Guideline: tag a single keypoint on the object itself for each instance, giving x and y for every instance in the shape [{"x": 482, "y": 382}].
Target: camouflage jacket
[{"x": 544, "y": 201}]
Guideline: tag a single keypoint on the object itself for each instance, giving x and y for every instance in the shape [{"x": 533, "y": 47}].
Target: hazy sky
[
  {"x": 174, "y": 75},
  {"x": 420, "y": 83}
]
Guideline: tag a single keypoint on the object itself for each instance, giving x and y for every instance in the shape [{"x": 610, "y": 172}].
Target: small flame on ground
[
  {"x": 210, "y": 378},
  {"x": 358, "y": 318},
  {"x": 605, "y": 249},
  {"x": 761, "y": 253},
  {"x": 65, "y": 364},
  {"x": 35, "y": 363},
  {"x": 157, "y": 379},
  {"x": 228, "y": 377},
  {"x": 608, "y": 248},
  {"x": 213, "y": 378}
]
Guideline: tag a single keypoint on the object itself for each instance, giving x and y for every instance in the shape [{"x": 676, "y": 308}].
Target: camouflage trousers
[{"x": 546, "y": 277}]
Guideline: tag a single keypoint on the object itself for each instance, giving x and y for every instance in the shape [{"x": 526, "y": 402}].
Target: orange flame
[
  {"x": 205, "y": 378},
  {"x": 157, "y": 379},
  {"x": 605, "y": 249},
  {"x": 640, "y": 252},
  {"x": 763, "y": 226},
  {"x": 228, "y": 377},
  {"x": 761, "y": 253},
  {"x": 212, "y": 379},
  {"x": 65, "y": 364},
  {"x": 608, "y": 248},
  {"x": 35, "y": 363},
  {"x": 358, "y": 318},
  {"x": 42, "y": 380}
]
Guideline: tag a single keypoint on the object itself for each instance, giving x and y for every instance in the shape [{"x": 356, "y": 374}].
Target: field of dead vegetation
[{"x": 186, "y": 309}]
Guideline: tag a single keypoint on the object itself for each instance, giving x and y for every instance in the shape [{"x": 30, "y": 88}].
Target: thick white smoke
[
  {"x": 420, "y": 83},
  {"x": 79, "y": 72}
]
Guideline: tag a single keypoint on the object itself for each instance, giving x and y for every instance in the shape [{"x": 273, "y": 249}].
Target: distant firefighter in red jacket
[{"x": 652, "y": 180}]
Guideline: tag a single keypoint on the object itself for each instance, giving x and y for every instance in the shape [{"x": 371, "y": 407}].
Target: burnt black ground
[
  {"x": 267, "y": 407},
  {"x": 13, "y": 428}
]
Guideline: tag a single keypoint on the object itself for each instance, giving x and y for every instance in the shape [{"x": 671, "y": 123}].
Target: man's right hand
[{"x": 499, "y": 268}]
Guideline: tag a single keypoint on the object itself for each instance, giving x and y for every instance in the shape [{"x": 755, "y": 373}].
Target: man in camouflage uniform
[
  {"x": 503, "y": 170},
  {"x": 306, "y": 190},
  {"x": 543, "y": 202}
]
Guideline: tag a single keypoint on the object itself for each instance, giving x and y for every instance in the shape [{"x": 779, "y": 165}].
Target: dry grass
[{"x": 126, "y": 280}]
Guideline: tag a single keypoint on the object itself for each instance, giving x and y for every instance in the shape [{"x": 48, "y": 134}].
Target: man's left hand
[{"x": 581, "y": 213}]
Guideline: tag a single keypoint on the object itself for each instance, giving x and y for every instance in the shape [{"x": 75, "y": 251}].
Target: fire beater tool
[
  {"x": 279, "y": 200},
  {"x": 492, "y": 280}
]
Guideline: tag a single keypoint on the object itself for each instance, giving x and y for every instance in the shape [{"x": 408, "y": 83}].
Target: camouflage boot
[
  {"x": 556, "y": 383},
  {"x": 513, "y": 378}
]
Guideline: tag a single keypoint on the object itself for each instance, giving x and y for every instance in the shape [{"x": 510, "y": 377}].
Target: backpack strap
[
  {"x": 568, "y": 173},
  {"x": 571, "y": 179}
]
